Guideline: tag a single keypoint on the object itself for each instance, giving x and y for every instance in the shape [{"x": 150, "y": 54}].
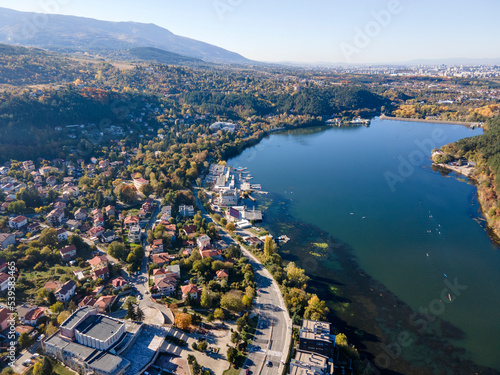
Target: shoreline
[
  {"x": 461, "y": 123},
  {"x": 468, "y": 172}
]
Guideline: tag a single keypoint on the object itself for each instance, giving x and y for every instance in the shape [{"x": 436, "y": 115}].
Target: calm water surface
[{"x": 410, "y": 227}]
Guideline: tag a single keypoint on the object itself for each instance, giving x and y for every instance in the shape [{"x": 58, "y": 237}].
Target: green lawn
[{"x": 61, "y": 370}]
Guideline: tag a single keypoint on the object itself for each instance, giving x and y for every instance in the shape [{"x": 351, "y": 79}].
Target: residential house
[
  {"x": 72, "y": 191},
  {"x": 51, "y": 180},
  {"x": 68, "y": 253},
  {"x": 191, "y": 290},
  {"x": 170, "y": 271},
  {"x": 134, "y": 234},
  {"x": 203, "y": 241},
  {"x": 4, "y": 281},
  {"x": 28, "y": 165},
  {"x": 5, "y": 318},
  {"x": 228, "y": 197},
  {"x": 189, "y": 230},
  {"x": 87, "y": 301},
  {"x": 66, "y": 291},
  {"x": 139, "y": 182},
  {"x": 108, "y": 236},
  {"x": 101, "y": 273},
  {"x": 186, "y": 211},
  {"x": 99, "y": 261},
  {"x": 157, "y": 246},
  {"x": 74, "y": 224},
  {"x": 161, "y": 259},
  {"x": 254, "y": 241},
  {"x": 166, "y": 285},
  {"x": 33, "y": 315},
  {"x": 81, "y": 214},
  {"x": 147, "y": 206},
  {"x": 95, "y": 232},
  {"x": 110, "y": 211},
  {"x": 18, "y": 222},
  {"x": 215, "y": 254},
  {"x": 104, "y": 303},
  {"x": 44, "y": 171},
  {"x": 131, "y": 221},
  {"x": 52, "y": 286},
  {"x": 7, "y": 239},
  {"x": 56, "y": 216},
  {"x": 62, "y": 234},
  {"x": 222, "y": 274},
  {"x": 119, "y": 282}
]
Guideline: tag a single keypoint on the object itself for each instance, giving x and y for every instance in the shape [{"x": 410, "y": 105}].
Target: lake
[{"x": 383, "y": 236}]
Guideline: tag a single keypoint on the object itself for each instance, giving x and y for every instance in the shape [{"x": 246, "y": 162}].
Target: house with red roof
[
  {"x": 87, "y": 301},
  {"x": 189, "y": 230},
  {"x": 99, "y": 261},
  {"x": 213, "y": 253},
  {"x": 222, "y": 275},
  {"x": 5, "y": 318},
  {"x": 104, "y": 303},
  {"x": 131, "y": 221},
  {"x": 101, "y": 273},
  {"x": 68, "y": 252},
  {"x": 191, "y": 290},
  {"x": 18, "y": 222},
  {"x": 52, "y": 286},
  {"x": 157, "y": 246},
  {"x": 161, "y": 259},
  {"x": 33, "y": 315},
  {"x": 166, "y": 285},
  {"x": 119, "y": 282},
  {"x": 4, "y": 281}
]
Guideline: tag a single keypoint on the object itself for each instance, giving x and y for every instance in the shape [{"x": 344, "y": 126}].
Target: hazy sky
[{"x": 365, "y": 31}]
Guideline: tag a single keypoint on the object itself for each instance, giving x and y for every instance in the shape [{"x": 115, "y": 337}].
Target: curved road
[{"x": 274, "y": 333}]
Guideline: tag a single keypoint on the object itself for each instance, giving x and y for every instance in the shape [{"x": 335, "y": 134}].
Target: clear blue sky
[{"x": 310, "y": 30}]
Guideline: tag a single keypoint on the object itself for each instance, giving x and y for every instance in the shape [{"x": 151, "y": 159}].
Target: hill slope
[{"x": 79, "y": 34}]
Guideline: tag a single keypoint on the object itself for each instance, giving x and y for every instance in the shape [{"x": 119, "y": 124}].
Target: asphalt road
[{"x": 273, "y": 337}]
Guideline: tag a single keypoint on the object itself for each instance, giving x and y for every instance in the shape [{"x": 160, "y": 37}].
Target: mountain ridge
[{"x": 80, "y": 34}]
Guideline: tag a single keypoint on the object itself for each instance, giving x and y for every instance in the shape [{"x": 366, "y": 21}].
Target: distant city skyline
[{"x": 363, "y": 31}]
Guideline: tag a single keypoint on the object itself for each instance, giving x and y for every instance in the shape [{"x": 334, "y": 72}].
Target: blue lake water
[{"x": 410, "y": 228}]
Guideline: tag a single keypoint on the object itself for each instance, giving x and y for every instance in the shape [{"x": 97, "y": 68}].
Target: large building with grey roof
[
  {"x": 316, "y": 336},
  {"x": 88, "y": 343}
]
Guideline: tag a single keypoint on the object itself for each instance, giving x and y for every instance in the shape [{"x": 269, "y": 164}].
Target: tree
[
  {"x": 296, "y": 276},
  {"x": 219, "y": 314},
  {"x": 117, "y": 250},
  {"x": 17, "y": 207},
  {"x": 230, "y": 227},
  {"x": 43, "y": 367},
  {"x": 127, "y": 193},
  {"x": 48, "y": 237},
  {"x": 268, "y": 247},
  {"x": 206, "y": 298},
  {"x": 183, "y": 321},
  {"x": 235, "y": 337},
  {"x": 63, "y": 316},
  {"x": 50, "y": 329},
  {"x": 316, "y": 309},
  {"x": 202, "y": 346},
  {"x": 147, "y": 190},
  {"x": 57, "y": 307},
  {"x": 232, "y": 355},
  {"x": 130, "y": 311},
  {"x": 25, "y": 340},
  {"x": 139, "y": 314},
  {"x": 191, "y": 359},
  {"x": 232, "y": 301}
]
